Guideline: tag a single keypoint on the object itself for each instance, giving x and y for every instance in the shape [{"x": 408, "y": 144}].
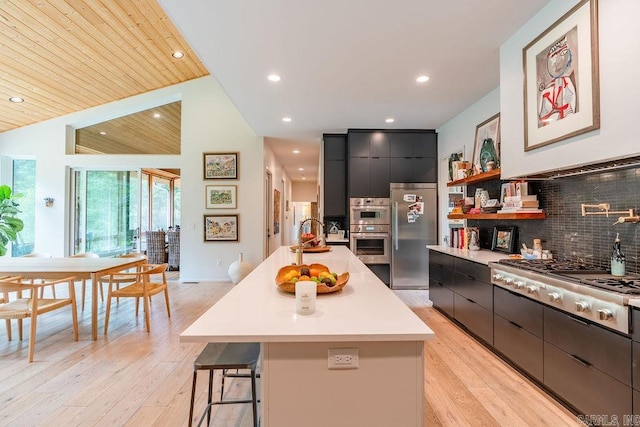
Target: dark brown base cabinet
[{"x": 591, "y": 369}]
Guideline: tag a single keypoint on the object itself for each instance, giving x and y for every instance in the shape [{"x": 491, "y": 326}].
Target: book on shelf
[
  {"x": 520, "y": 204},
  {"x": 519, "y": 210},
  {"x": 523, "y": 198}
]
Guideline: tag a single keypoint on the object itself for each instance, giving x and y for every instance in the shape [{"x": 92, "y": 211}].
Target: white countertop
[
  {"x": 257, "y": 310},
  {"x": 482, "y": 256}
]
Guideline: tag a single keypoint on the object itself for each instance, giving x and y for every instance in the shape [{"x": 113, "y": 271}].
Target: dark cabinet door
[
  {"x": 379, "y": 144},
  {"x": 335, "y": 191},
  {"x": 425, "y": 169},
  {"x": 402, "y": 144},
  {"x": 519, "y": 310},
  {"x": 519, "y": 345},
  {"x": 441, "y": 296},
  {"x": 335, "y": 147},
  {"x": 474, "y": 290},
  {"x": 475, "y": 318},
  {"x": 358, "y": 144},
  {"x": 358, "y": 172},
  {"x": 401, "y": 169},
  {"x": 426, "y": 145},
  {"x": 379, "y": 177}
]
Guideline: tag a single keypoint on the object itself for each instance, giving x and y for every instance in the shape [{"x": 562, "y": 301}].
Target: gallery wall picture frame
[
  {"x": 561, "y": 79},
  {"x": 220, "y": 165},
  {"x": 504, "y": 239},
  {"x": 221, "y": 196},
  {"x": 486, "y": 146},
  {"x": 221, "y": 228}
]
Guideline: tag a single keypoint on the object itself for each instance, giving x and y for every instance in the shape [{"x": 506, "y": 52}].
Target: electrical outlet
[
  {"x": 218, "y": 262},
  {"x": 343, "y": 358}
]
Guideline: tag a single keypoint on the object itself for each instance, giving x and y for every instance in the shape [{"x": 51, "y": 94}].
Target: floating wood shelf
[
  {"x": 520, "y": 215},
  {"x": 485, "y": 176}
]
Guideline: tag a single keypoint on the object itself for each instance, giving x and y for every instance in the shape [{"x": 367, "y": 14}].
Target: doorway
[{"x": 268, "y": 209}]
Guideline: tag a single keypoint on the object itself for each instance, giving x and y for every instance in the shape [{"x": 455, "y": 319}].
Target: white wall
[
  {"x": 281, "y": 182},
  {"x": 304, "y": 191},
  {"x": 210, "y": 123},
  {"x": 619, "y": 92}
]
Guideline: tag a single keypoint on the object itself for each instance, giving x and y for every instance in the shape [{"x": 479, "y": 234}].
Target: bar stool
[{"x": 221, "y": 356}]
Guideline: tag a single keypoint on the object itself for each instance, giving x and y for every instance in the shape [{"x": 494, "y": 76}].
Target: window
[{"x": 24, "y": 183}]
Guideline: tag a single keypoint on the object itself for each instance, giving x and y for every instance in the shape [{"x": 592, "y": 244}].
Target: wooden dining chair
[
  {"x": 122, "y": 279},
  {"x": 84, "y": 281},
  {"x": 149, "y": 280},
  {"x": 42, "y": 281},
  {"x": 21, "y": 308}
]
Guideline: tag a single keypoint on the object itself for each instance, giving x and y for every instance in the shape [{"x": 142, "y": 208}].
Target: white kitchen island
[{"x": 298, "y": 389}]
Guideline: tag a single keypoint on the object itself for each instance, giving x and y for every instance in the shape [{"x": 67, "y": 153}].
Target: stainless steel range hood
[{"x": 605, "y": 166}]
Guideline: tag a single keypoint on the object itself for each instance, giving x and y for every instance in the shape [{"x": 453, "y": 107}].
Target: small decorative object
[
  {"x": 453, "y": 158},
  {"x": 561, "y": 88},
  {"x": 617, "y": 258},
  {"x": 504, "y": 239},
  {"x": 477, "y": 199},
  {"x": 474, "y": 239},
  {"x": 487, "y": 144},
  {"x": 239, "y": 269},
  {"x": 490, "y": 165},
  {"x": 48, "y": 201},
  {"x": 484, "y": 198},
  {"x": 220, "y": 165},
  {"x": 221, "y": 196},
  {"x": 306, "y": 297},
  {"x": 220, "y": 228}
]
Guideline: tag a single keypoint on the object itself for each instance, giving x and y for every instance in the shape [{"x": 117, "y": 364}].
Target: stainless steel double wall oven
[{"x": 370, "y": 229}]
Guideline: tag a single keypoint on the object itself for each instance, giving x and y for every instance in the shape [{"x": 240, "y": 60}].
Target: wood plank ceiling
[{"x": 63, "y": 56}]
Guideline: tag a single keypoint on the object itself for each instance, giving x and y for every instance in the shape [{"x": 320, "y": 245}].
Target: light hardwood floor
[{"x": 133, "y": 378}]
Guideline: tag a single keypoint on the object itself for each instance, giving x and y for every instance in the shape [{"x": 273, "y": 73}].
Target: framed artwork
[
  {"x": 276, "y": 211},
  {"x": 561, "y": 79},
  {"x": 508, "y": 189},
  {"x": 220, "y": 165},
  {"x": 221, "y": 228},
  {"x": 221, "y": 196},
  {"x": 486, "y": 147},
  {"x": 504, "y": 239}
]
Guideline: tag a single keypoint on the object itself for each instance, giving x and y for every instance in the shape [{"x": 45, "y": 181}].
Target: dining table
[{"x": 61, "y": 267}]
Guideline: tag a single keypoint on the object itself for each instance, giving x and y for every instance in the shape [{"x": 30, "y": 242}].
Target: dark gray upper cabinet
[
  {"x": 335, "y": 171},
  {"x": 379, "y": 177},
  {"x": 379, "y": 144},
  {"x": 413, "y": 144},
  {"x": 335, "y": 146},
  {"x": 358, "y": 144},
  {"x": 358, "y": 177}
]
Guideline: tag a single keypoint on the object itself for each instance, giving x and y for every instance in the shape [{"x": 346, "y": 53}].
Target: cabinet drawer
[
  {"x": 441, "y": 268},
  {"x": 438, "y": 258},
  {"x": 473, "y": 289},
  {"x": 586, "y": 388},
  {"x": 636, "y": 402},
  {"x": 477, "y": 319},
  {"x": 518, "y": 309},
  {"x": 636, "y": 367},
  {"x": 522, "y": 347},
  {"x": 635, "y": 322},
  {"x": 441, "y": 296},
  {"x": 473, "y": 269},
  {"x": 604, "y": 349}
]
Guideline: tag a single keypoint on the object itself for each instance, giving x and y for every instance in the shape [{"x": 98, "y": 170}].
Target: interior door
[{"x": 106, "y": 211}]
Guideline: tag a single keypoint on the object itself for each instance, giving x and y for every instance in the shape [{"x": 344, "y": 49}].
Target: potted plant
[{"x": 10, "y": 225}]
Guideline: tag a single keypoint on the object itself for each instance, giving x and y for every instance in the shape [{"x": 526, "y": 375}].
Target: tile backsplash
[{"x": 565, "y": 231}]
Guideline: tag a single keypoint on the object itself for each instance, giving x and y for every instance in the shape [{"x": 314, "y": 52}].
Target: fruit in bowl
[
  {"x": 308, "y": 239},
  {"x": 325, "y": 280}
]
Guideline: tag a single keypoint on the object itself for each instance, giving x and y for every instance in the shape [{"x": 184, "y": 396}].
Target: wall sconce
[{"x": 48, "y": 201}]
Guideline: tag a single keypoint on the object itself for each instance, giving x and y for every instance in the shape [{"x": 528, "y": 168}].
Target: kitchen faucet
[{"x": 322, "y": 242}]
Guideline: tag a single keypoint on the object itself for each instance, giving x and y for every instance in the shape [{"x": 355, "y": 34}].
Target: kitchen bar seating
[
  {"x": 221, "y": 356},
  {"x": 21, "y": 308}
]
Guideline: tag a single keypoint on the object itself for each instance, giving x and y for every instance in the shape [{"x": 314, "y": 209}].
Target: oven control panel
[{"x": 597, "y": 305}]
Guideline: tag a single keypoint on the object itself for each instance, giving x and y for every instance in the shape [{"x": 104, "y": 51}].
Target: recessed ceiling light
[
  {"x": 286, "y": 119},
  {"x": 157, "y": 115},
  {"x": 16, "y": 99},
  {"x": 390, "y": 120},
  {"x": 422, "y": 79},
  {"x": 304, "y": 177},
  {"x": 102, "y": 132},
  {"x": 274, "y": 78},
  {"x": 296, "y": 151},
  {"x": 300, "y": 169},
  {"x": 177, "y": 54}
]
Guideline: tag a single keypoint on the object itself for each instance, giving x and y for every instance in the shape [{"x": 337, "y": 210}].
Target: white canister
[{"x": 306, "y": 297}]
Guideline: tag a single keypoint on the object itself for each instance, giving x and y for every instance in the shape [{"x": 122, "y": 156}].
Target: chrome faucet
[{"x": 322, "y": 242}]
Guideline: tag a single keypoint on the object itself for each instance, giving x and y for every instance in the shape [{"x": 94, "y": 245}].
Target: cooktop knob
[
  {"x": 498, "y": 278},
  {"x": 554, "y": 297},
  {"x": 518, "y": 284},
  {"x": 508, "y": 281},
  {"x": 604, "y": 314},
  {"x": 582, "y": 306},
  {"x": 531, "y": 289}
]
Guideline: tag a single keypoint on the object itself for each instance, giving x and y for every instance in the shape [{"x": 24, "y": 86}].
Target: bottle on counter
[
  {"x": 617, "y": 258},
  {"x": 298, "y": 259},
  {"x": 537, "y": 248}
]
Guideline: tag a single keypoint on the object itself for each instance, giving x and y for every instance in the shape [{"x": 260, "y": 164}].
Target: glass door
[{"x": 106, "y": 211}]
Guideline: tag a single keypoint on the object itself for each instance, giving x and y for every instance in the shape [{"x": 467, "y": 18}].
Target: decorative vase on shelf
[{"x": 488, "y": 154}]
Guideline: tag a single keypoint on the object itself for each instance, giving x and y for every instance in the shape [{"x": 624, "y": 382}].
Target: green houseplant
[{"x": 10, "y": 225}]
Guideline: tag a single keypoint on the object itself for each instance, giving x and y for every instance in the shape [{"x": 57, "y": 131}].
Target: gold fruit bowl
[{"x": 322, "y": 288}]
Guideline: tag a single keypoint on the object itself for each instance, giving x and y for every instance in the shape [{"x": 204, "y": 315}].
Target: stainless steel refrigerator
[{"x": 414, "y": 224}]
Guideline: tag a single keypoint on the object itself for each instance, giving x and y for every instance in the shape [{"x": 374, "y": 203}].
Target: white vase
[{"x": 239, "y": 269}]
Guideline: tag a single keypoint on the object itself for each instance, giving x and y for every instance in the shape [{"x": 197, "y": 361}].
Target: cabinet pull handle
[
  {"x": 580, "y": 360},
  {"x": 470, "y": 300},
  {"x": 515, "y": 324},
  {"x": 470, "y": 277},
  {"x": 578, "y": 321}
]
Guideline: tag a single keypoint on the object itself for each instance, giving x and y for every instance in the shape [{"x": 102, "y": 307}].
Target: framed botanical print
[
  {"x": 504, "y": 239},
  {"x": 221, "y": 196},
  {"x": 221, "y": 228},
  {"x": 220, "y": 165}
]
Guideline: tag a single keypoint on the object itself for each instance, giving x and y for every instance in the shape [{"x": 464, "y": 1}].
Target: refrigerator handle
[{"x": 395, "y": 223}]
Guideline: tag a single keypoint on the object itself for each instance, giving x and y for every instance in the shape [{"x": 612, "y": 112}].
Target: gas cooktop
[{"x": 549, "y": 265}]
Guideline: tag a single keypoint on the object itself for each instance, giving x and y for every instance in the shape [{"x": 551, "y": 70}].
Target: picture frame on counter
[
  {"x": 504, "y": 239},
  {"x": 561, "y": 79},
  {"x": 486, "y": 147},
  {"x": 221, "y": 228},
  {"x": 220, "y": 165},
  {"x": 221, "y": 196}
]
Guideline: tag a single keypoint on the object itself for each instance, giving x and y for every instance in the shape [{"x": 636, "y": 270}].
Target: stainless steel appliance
[
  {"x": 414, "y": 225},
  {"x": 572, "y": 287},
  {"x": 370, "y": 230},
  {"x": 368, "y": 211}
]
